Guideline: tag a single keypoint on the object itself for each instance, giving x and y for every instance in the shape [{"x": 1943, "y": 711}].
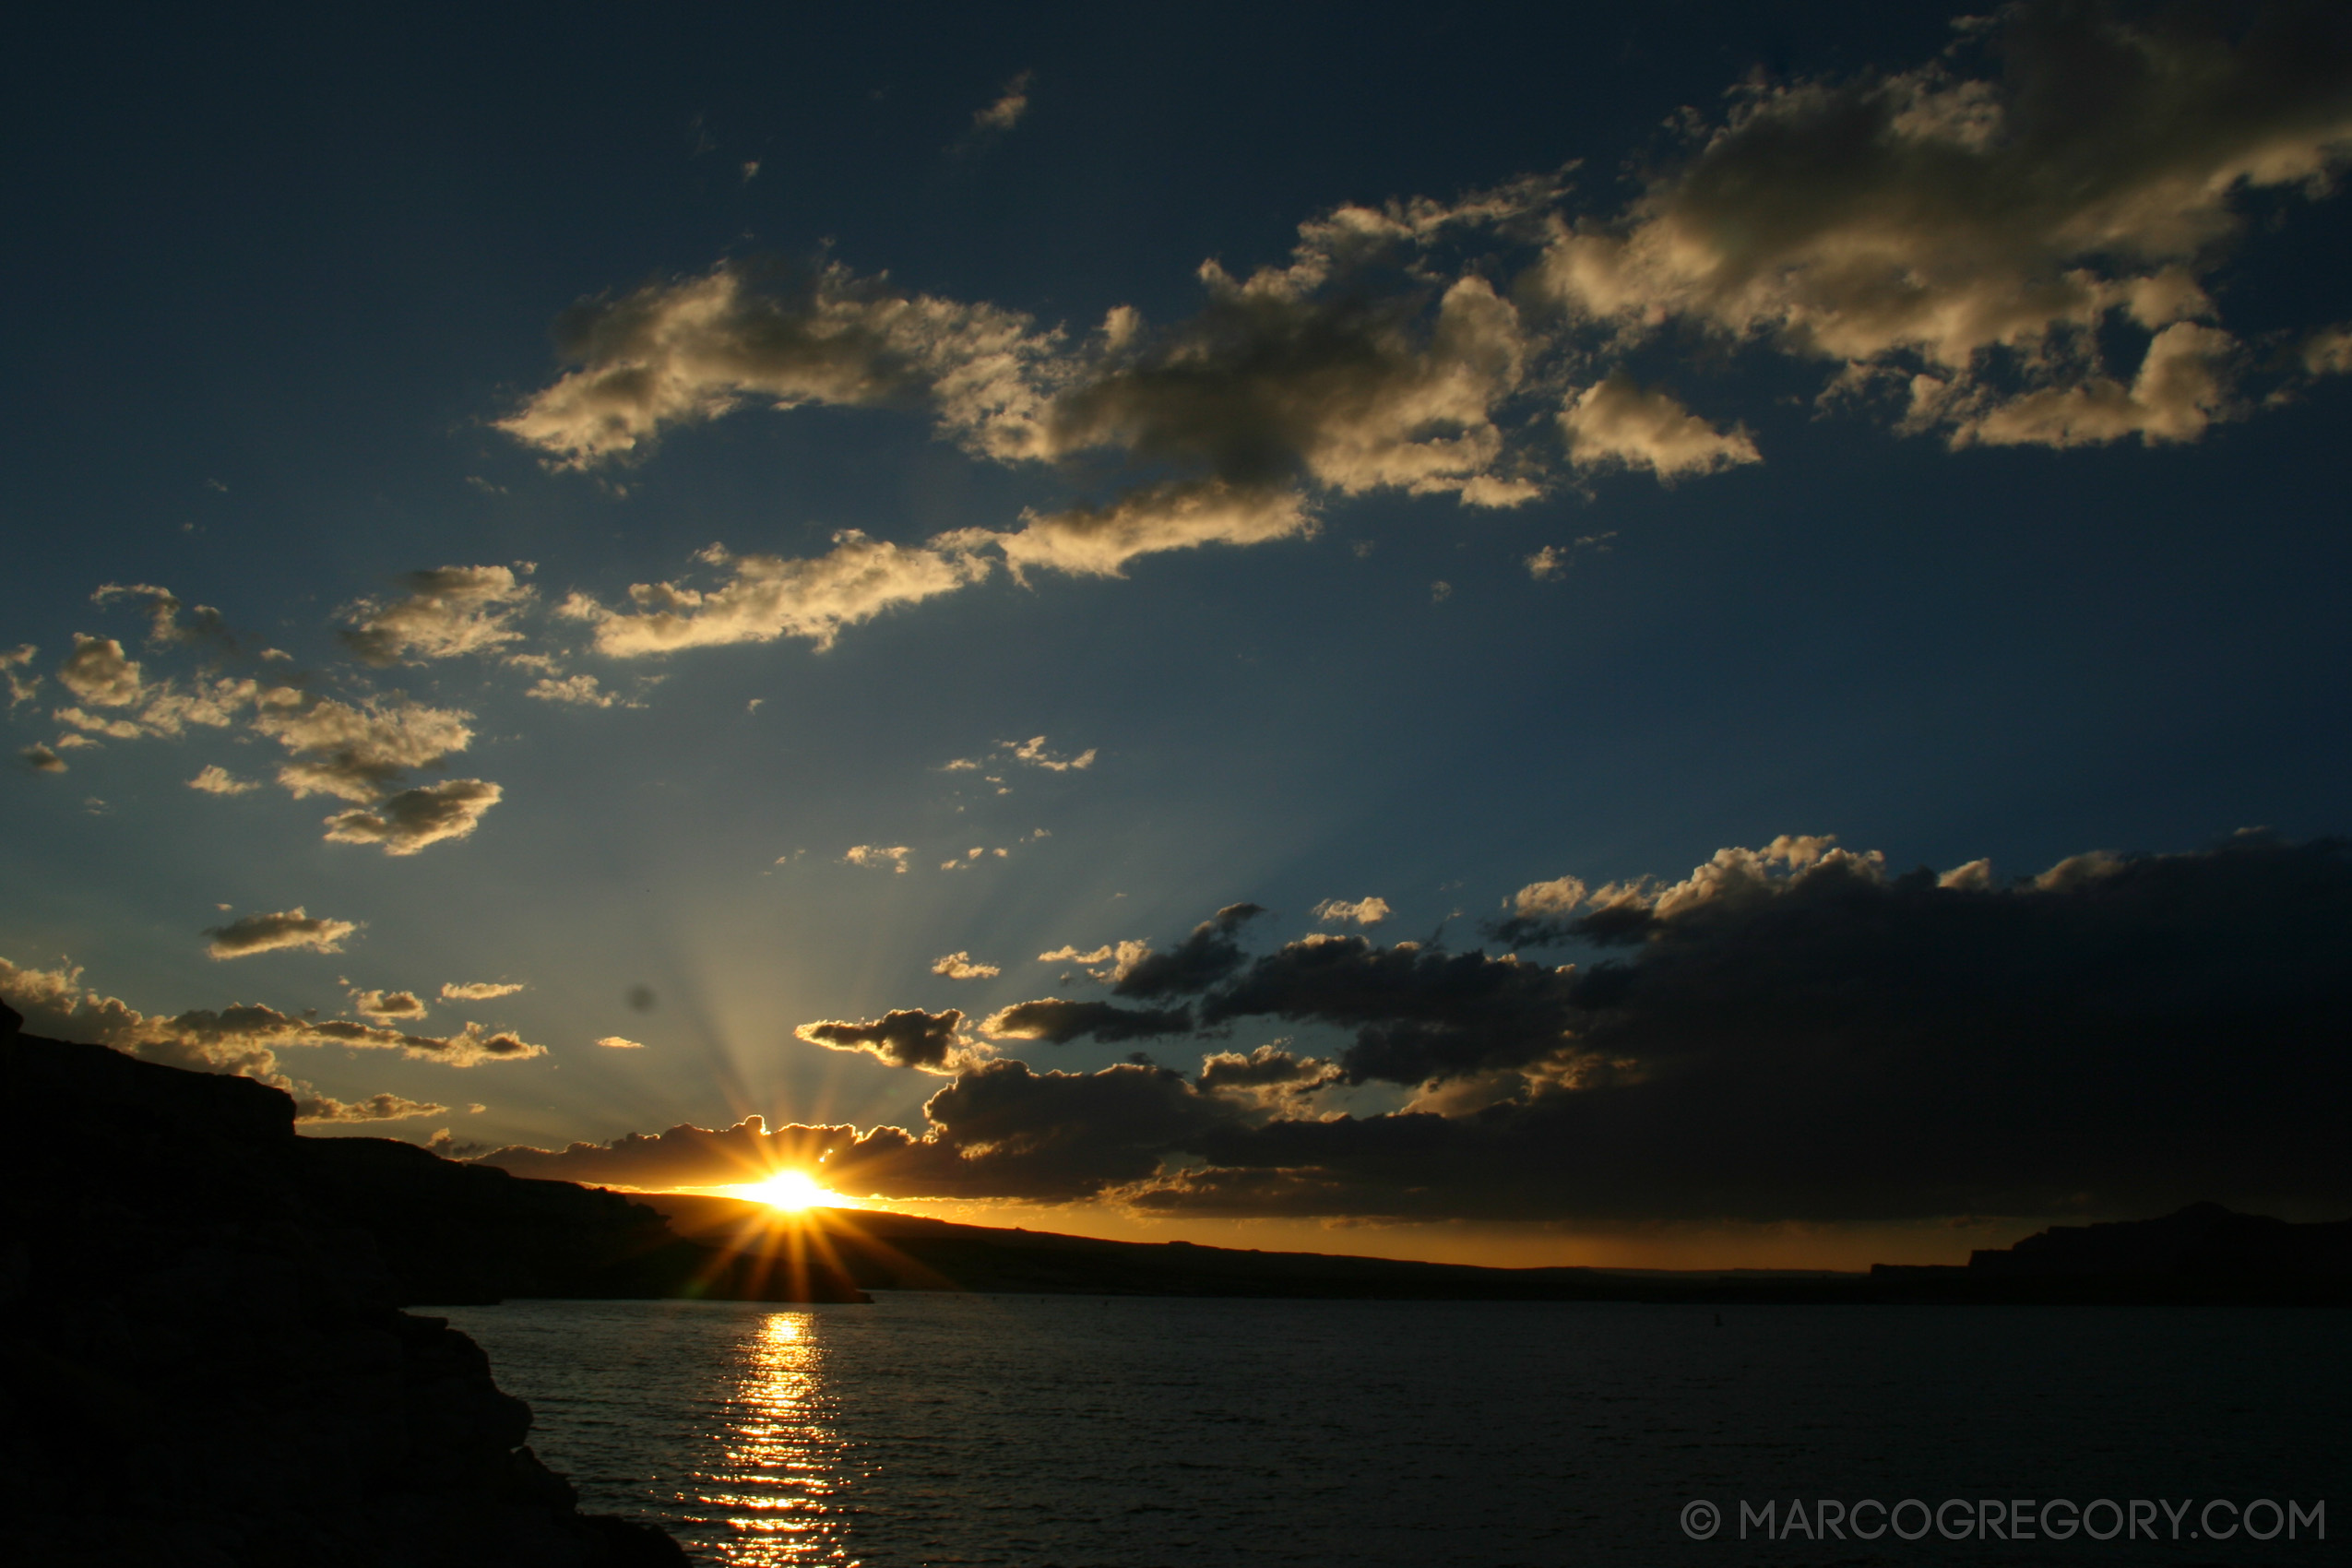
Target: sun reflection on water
[{"x": 775, "y": 1490}]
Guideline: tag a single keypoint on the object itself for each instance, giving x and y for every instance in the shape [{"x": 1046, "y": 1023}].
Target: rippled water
[{"x": 1034, "y": 1430}]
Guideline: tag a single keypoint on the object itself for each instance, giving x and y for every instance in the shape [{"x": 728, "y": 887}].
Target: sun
[{"x": 786, "y": 1189}]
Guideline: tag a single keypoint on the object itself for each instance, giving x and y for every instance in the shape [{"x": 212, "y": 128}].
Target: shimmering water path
[{"x": 1060, "y": 1430}]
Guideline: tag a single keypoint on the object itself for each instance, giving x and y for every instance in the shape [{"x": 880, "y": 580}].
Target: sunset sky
[{"x": 1141, "y": 618}]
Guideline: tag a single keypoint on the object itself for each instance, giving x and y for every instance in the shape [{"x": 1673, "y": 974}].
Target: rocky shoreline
[{"x": 202, "y": 1360}]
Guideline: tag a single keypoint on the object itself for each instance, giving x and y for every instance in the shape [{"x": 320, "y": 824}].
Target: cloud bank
[
  {"x": 2012, "y": 244},
  {"x": 1790, "y": 1033}
]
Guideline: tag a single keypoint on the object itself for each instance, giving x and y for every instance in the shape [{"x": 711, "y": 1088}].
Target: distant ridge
[
  {"x": 896, "y": 1252},
  {"x": 2203, "y": 1242}
]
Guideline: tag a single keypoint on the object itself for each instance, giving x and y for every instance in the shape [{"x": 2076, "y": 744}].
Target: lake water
[{"x": 934, "y": 1428}]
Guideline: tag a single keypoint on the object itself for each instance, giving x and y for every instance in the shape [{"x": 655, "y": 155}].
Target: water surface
[{"x": 933, "y": 1429}]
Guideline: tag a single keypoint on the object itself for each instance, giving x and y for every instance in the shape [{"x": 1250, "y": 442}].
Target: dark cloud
[
  {"x": 412, "y": 819},
  {"x": 685, "y": 1156},
  {"x": 384, "y": 1005},
  {"x": 910, "y": 1038},
  {"x": 1057, "y": 1022},
  {"x": 1018, "y": 1132},
  {"x": 287, "y": 928},
  {"x": 2124, "y": 1031},
  {"x": 1268, "y": 1068},
  {"x": 1419, "y": 1012},
  {"x": 1792, "y": 1034},
  {"x": 1200, "y": 960},
  {"x": 1000, "y": 1129}
]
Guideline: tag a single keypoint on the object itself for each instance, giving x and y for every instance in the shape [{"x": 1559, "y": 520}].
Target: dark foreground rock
[{"x": 201, "y": 1363}]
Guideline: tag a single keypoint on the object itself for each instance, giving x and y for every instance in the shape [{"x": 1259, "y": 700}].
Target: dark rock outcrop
[
  {"x": 201, "y": 1363},
  {"x": 2201, "y": 1242}
]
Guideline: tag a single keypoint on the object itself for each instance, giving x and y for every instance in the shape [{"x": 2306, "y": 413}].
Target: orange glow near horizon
[{"x": 789, "y": 1190}]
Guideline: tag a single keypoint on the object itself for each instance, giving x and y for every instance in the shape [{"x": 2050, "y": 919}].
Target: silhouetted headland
[{"x": 202, "y": 1360}]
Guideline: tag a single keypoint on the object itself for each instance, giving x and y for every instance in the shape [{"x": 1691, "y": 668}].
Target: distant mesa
[{"x": 2201, "y": 1244}]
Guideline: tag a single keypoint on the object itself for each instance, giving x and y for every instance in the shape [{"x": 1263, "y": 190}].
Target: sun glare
[{"x": 786, "y": 1189}]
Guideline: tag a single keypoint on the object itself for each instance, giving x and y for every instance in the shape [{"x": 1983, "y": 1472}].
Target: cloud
[
  {"x": 2325, "y": 352},
  {"x": 1554, "y": 561},
  {"x": 876, "y": 856},
  {"x": 694, "y": 349},
  {"x": 265, "y": 933},
  {"x": 1209, "y": 955},
  {"x": 163, "y": 608},
  {"x": 1108, "y": 963},
  {"x": 358, "y": 753},
  {"x": 974, "y": 856},
  {"x": 41, "y": 759},
  {"x": 577, "y": 691},
  {"x": 1032, "y": 752},
  {"x": 413, "y": 819},
  {"x": 1057, "y": 1022},
  {"x": 447, "y": 612},
  {"x": 21, "y": 688},
  {"x": 242, "y": 1038},
  {"x": 1544, "y": 912},
  {"x": 1615, "y": 423},
  {"x": 1294, "y": 375},
  {"x": 2182, "y": 387},
  {"x": 959, "y": 966},
  {"x": 479, "y": 991},
  {"x": 1178, "y": 515},
  {"x": 93, "y": 724},
  {"x": 1299, "y": 371},
  {"x": 619, "y": 1043},
  {"x": 1268, "y": 1074},
  {"x": 381, "y": 1007},
  {"x": 1010, "y": 105},
  {"x": 1980, "y": 233},
  {"x": 910, "y": 1038},
  {"x": 98, "y": 672},
  {"x": 316, "y": 1107},
  {"x": 217, "y": 781},
  {"x": 768, "y": 596},
  {"x": 1364, "y": 912}
]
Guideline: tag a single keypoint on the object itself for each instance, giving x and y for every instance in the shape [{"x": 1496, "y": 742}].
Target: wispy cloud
[
  {"x": 1962, "y": 252},
  {"x": 878, "y": 857},
  {"x": 447, "y": 612},
  {"x": 273, "y": 932},
  {"x": 1010, "y": 105}
]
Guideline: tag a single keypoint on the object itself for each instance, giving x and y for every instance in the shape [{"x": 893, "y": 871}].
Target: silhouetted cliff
[
  {"x": 2203, "y": 1253},
  {"x": 200, "y": 1361},
  {"x": 2201, "y": 1242}
]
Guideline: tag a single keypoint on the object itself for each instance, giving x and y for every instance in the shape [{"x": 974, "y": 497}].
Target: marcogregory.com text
[{"x": 2002, "y": 1518}]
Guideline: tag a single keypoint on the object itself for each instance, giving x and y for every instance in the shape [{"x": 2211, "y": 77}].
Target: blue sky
[{"x": 1300, "y": 461}]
